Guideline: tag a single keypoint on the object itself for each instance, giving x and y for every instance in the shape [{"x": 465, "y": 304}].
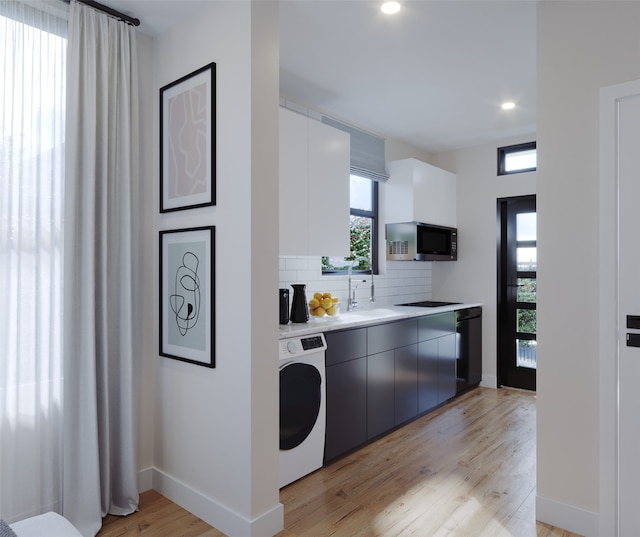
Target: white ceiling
[{"x": 433, "y": 75}]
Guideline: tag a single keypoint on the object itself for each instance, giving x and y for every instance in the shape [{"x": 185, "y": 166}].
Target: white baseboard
[
  {"x": 489, "y": 381},
  {"x": 213, "y": 513},
  {"x": 145, "y": 479},
  {"x": 567, "y": 517}
]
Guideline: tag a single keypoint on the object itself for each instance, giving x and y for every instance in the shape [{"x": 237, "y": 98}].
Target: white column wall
[
  {"x": 209, "y": 437},
  {"x": 582, "y": 46},
  {"x": 146, "y": 289}
]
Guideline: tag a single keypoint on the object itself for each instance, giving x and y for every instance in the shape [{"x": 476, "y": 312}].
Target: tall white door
[{"x": 622, "y": 183}]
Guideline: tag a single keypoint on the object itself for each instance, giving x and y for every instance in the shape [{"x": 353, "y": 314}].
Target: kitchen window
[
  {"x": 363, "y": 230},
  {"x": 518, "y": 158}
]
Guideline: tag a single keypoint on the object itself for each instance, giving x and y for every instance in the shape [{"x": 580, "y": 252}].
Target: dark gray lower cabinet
[
  {"x": 381, "y": 376},
  {"x": 436, "y": 360},
  {"x": 346, "y": 391},
  {"x": 380, "y": 393},
  {"x": 392, "y": 389},
  {"x": 427, "y": 375},
  {"x": 406, "y": 383},
  {"x": 446, "y": 368},
  {"x": 346, "y": 407}
]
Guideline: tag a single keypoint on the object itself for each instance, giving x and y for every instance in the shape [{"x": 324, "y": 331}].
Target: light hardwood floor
[{"x": 465, "y": 470}]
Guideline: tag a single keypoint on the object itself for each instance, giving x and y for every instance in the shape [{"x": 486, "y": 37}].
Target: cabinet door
[
  {"x": 329, "y": 190},
  {"x": 406, "y": 383},
  {"x": 446, "y": 367},
  {"x": 419, "y": 191},
  {"x": 294, "y": 184},
  {"x": 427, "y": 375},
  {"x": 346, "y": 407},
  {"x": 380, "y": 393},
  {"x": 434, "y": 196}
]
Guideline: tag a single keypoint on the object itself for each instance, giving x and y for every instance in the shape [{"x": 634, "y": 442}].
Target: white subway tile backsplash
[
  {"x": 300, "y": 263},
  {"x": 403, "y": 281}
]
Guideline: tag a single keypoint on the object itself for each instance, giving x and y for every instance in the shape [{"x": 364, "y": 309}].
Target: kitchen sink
[{"x": 429, "y": 304}]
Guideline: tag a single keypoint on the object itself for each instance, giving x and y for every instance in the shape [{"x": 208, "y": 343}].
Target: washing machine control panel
[{"x": 302, "y": 345}]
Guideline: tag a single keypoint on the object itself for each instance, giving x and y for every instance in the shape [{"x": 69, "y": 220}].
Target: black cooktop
[{"x": 428, "y": 304}]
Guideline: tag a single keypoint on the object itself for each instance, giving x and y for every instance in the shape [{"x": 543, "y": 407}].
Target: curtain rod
[{"x": 110, "y": 11}]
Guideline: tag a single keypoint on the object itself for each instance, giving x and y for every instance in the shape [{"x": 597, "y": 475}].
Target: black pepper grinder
[
  {"x": 299, "y": 308},
  {"x": 283, "y": 295}
]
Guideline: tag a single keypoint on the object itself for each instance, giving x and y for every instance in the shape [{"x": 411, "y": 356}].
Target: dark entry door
[{"x": 517, "y": 266}]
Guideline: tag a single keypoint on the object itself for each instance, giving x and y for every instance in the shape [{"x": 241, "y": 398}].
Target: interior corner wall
[
  {"x": 581, "y": 47},
  {"x": 265, "y": 177},
  {"x": 472, "y": 278},
  {"x": 147, "y": 348},
  {"x": 215, "y": 448}
]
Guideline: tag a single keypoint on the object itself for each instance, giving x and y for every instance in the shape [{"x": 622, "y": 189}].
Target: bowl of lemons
[{"x": 324, "y": 307}]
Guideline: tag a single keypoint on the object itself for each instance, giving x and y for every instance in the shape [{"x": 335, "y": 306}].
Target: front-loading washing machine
[{"x": 302, "y": 406}]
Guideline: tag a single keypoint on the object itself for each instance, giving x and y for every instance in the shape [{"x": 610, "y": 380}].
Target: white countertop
[{"x": 364, "y": 317}]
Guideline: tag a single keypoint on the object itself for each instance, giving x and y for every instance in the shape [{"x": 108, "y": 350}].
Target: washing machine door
[{"x": 300, "y": 393}]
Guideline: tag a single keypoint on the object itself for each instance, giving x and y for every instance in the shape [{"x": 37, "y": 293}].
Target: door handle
[
  {"x": 633, "y": 322},
  {"x": 633, "y": 340}
]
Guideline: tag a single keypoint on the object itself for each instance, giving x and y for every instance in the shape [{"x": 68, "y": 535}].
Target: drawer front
[
  {"x": 434, "y": 326},
  {"x": 394, "y": 335},
  {"x": 345, "y": 345}
]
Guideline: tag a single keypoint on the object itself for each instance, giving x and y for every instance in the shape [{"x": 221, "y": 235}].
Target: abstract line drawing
[
  {"x": 188, "y": 141},
  {"x": 185, "y": 302},
  {"x": 187, "y": 295}
]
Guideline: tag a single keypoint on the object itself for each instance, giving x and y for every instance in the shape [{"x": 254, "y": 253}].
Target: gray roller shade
[{"x": 367, "y": 151}]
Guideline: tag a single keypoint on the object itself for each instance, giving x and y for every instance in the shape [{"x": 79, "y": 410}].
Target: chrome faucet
[
  {"x": 372, "y": 294},
  {"x": 352, "y": 303}
]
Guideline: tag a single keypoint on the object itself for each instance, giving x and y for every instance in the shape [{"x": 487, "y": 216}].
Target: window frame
[
  {"x": 503, "y": 152},
  {"x": 373, "y": 214}
]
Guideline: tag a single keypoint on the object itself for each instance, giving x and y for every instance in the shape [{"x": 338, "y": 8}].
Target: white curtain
[
  {"x": 32, "y": 117},
  {"x": 100, "y": 472}
]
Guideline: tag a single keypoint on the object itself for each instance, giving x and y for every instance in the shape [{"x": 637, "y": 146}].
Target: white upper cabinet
[
  {"x": 314, "y": 187},
  {"x": 421, "y": 192}
]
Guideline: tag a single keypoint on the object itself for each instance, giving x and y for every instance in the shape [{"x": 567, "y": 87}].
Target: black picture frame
[
  {"x": 188, "y": 141},
  {"x": 187, "y": 295}
]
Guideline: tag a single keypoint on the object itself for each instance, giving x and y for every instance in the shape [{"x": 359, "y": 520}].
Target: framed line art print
[
  {"x": 187, "y": 295},
  {"x": 188, "y": 141}
]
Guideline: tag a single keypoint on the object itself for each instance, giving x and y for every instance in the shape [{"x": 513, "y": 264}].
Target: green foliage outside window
[
  {"x": 527, "y": 319},
  {"x": 359, "y": 259}
]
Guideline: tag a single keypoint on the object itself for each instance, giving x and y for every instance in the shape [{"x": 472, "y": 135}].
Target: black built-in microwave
[{"x": 408, "y": 241}]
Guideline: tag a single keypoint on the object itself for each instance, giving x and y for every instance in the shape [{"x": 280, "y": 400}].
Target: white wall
[
  {"x": 215, "y": 431},
  {"x": 473, "y": 277},
  {"x": 582, "y": 46},
  {"x": 146, "y": 288}
]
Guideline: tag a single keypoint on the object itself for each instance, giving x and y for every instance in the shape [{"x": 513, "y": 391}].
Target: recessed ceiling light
[
  {"x": 508, "y": 106},
  {"x": 389, "y": 7}
]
